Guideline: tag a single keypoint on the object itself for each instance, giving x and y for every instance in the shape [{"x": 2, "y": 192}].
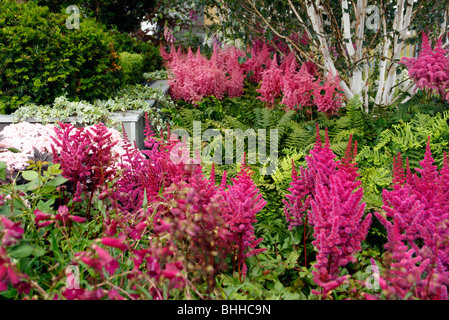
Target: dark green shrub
[
  {"x": 132, "y": 67},
  {"x": 152, "y": 60},
  {"x": 40, "y": 58}
]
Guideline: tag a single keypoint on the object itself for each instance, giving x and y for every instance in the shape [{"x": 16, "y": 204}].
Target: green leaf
[
  {"x": 145, "y": 200},
  {"x": 21, "y": 251},
  {"x": 242, "y": 60},
  {"x": 14, "y": 150},
  {"x": 54, "y": 169},
  {"x": 45, "y": 206},
  {"x": 56, "y": 181},
  {"x": 30, "y": 175},
  {"x": 39, "y": 252},
  {"x": 9, "y": 294},
  {"x": 30, "y": 186}
]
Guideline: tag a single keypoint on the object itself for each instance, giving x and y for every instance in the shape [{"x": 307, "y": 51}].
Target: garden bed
[{"x": 133, "y": 120}]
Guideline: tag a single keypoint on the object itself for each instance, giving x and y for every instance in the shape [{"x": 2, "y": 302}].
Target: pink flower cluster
[
  {"x": 87, "y": 156},
  {"x": 10, "y": 233},
  {"x": 300, "y": 88},
  {"x": 417, "y": 217},
  {"x": 193, "y": 76},
  {"x": 330, "y": 194},
  {"x": 24, "y": 137},
  {"x": 430, "y": 70},
  {"x": 242, "y": 202}
]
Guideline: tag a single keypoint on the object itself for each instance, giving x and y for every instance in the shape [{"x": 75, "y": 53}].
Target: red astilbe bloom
[
  {"x": 430, "y": 70},
  {"x": 339, "y": 229},
  {"x": 409, "y": 273},
  {"x": 85, "y": 156},
  {"x": 332, "y": 99},
  {"x": 331, "y": 195},
  {"x": 192, "y": 76},
  {"x": 321, "y": 159},
  {"x": 298, "y": 87},
  {"x": 243, "y": 202},
  {"x": 196, "y": 221},
  {"x": 297, "y": 203},
  {"x": 272, "y": 82},
  {"x": 418, "y": 207},
  {"x": 148, "y": 176},
  {"x": 321, "y": 165}
]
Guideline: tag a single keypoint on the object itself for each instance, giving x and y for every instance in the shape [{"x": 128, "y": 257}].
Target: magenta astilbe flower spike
[
  {"x": 147, "y": 177},
  {"x": 332, "y": 100},
  {"x": 339, "y": 227},
  {"x": 430, "y": 70},
  {"x": 321, "y": 164},
  {"x": 298, "y": 88},
  {"x": 409, "y": 272},
  {"x": 86, "y": 156},
  {"x": 418, "y": 210},
  {"x": 330, "y": 193},
  {"x": 298, "y": 201},
  {"x": 272, "y": 82},
  {"x": 243, "y": 202}
]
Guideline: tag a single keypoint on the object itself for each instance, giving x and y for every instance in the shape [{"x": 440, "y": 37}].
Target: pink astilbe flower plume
[
  {"x": 417, "y": 220},
  {"x": 339, "y": 227},
  {"x": 430, "y": 70},
  {"x": 272, "y": 82},
  {"x": 409, "y": 272},
  {"x": 298, "y": 88},
  {"x": 86, "y": 156},
  {"x": 192, "y": 76},
  {"x": 331, "y": 195},
  {"x": 332, "y": 99},
  {"x": 148, "y": 176},
  {"x": 243, "y": 202}
]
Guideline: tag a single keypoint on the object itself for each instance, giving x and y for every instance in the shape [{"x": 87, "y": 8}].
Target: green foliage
[
  {"x": 125, "y": 15},
  {"x": 409, "y": 138},
  {"x": 152, "y": 60},
  {"x": 41, "y": 59},
  {"x": 132, "y": 67},
  {"x": 129, "y": 98}
]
